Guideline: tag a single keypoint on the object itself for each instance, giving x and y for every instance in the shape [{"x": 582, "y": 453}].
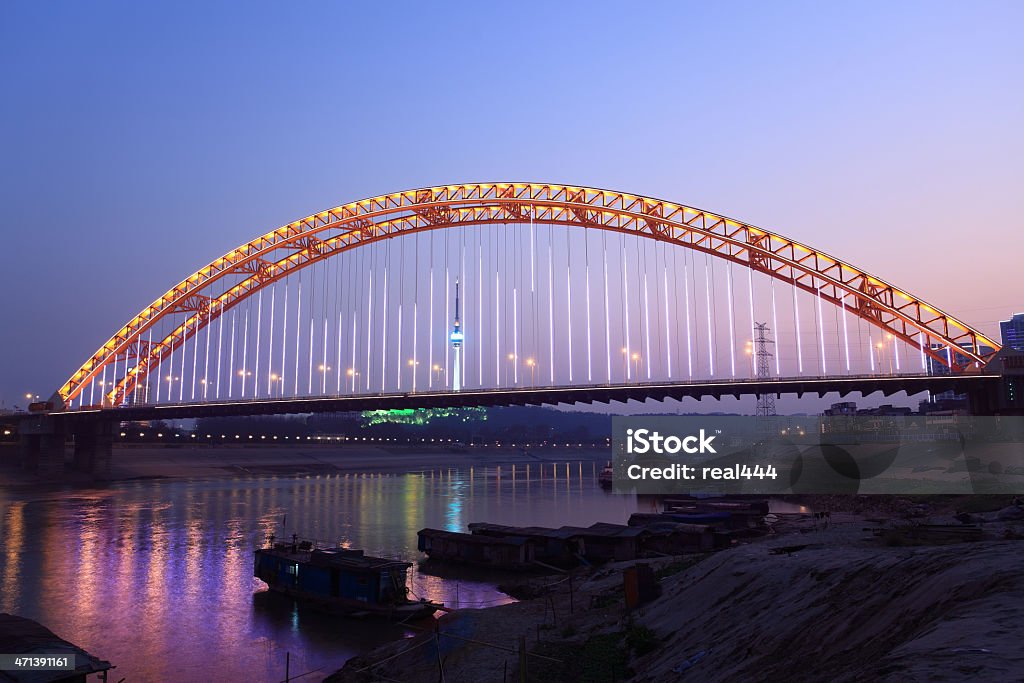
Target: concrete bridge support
[
  {"x": 93, "y": 449},
  {"x": 42, "y": 441}
]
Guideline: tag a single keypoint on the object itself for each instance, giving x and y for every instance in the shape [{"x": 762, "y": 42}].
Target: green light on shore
[{"x": 421, "y": 416}]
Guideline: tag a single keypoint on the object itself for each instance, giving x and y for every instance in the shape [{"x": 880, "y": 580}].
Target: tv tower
[{"x": 456, "y": 339}]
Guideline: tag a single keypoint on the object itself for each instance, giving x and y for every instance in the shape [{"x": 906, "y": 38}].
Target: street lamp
[
  {"x": 412, "y": 364},
  {"x": 324, "y": 370},
  {"x": 353, "y": 373},
  {"x": 625, "y": 362},
  {"x": 894, "y": 354},
  {"x": 511, "y": 362},
  {"x": 437, "y": 372},
  {"x": 533, "y": 367},
  {"x": 636, "y": 364}
]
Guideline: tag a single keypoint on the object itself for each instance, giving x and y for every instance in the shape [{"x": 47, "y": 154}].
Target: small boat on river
[
  {"x": 607, "y": 476},
  {"x": 340, "y": 580}
]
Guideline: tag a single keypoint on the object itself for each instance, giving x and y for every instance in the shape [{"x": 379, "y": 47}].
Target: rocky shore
[{"x": 807, "y": 604}]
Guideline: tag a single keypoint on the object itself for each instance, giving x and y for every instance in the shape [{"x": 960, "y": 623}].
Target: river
[{"x": 155, "y": 576}]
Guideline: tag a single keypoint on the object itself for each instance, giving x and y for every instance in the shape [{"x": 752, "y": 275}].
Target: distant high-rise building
[
  {"x": 1013, "y": 332},
  {"x": 936, "y": 367}
]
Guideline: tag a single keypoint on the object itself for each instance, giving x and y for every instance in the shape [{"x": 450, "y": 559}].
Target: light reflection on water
[{"x": 156, "y": 576}]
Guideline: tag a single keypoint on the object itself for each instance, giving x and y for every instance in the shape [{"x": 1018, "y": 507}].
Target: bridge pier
[
  {"x": 982, "y": 402},
  {"x": 93, "y": 449},
  {"x": 42, "y": 442}
]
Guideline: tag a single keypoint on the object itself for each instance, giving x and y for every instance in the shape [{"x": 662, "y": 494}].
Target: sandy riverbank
[{"x": 844, "y": 607}]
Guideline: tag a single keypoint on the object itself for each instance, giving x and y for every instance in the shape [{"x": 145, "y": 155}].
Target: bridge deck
[{"x": 604, "y": 393}]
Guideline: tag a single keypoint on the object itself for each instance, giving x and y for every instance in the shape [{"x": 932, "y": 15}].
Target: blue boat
[{"x": 340, "y": 580}]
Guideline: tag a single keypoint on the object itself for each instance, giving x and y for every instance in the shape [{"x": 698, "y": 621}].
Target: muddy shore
[{"x": 808, "y": 604}]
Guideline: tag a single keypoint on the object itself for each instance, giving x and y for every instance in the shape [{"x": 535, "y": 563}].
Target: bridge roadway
[
  {"x": 43, "y": 437},
  {"x": 973, "y": 385}
]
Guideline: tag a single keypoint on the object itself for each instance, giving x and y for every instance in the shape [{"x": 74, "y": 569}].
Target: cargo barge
[{"x": 340, "y": 580}]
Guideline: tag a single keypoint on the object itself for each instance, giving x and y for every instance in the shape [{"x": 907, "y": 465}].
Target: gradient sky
[{"x": 142, "y": 140}]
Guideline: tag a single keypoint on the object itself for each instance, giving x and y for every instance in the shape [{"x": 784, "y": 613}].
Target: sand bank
[{"x": 844, "y": 607}]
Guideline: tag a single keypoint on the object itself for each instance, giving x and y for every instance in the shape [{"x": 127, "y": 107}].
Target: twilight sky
[{"x": 140, "y": 141}]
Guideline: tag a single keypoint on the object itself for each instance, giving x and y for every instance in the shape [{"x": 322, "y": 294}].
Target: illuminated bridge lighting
[{"x": 337, "y": 303}]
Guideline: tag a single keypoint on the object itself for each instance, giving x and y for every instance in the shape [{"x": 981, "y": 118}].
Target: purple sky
[{"x": 141, "y": 142}]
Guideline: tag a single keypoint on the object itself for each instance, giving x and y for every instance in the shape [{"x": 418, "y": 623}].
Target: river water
[{"x": 156, "y": 576}]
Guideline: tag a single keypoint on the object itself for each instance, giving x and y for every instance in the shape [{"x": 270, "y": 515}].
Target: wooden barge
[
  {"x": 561, "y": 547},
  {"x": 508, "y": 547},
  {"x": 694, "y": 504},
  {"x": 568, "y": 544},
  {"x": 482, "y": 551},
  {"x": 494, "y": 545}
]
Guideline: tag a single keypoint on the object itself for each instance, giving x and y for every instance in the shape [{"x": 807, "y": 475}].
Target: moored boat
[
  {"x": 606, "y": 477},
  {"x": 340, "y": 580}
]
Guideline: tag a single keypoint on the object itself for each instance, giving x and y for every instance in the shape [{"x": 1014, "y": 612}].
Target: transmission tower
[{"x": 765, "y": 402}]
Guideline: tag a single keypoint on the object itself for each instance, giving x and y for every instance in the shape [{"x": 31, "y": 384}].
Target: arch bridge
[{"x": 561, "y": 287}]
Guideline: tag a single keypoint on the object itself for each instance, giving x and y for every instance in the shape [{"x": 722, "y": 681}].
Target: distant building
[
  {"x": 946, "y": 403},
  {"x": 948, "y": 398},
  {"x": 887, "y": 410},
  {"x": 849, "y": 409},
  {"x": 844, "y": 408},
  {"x": 1013, "y": 332},
  {"x": 936, "y": 367}
]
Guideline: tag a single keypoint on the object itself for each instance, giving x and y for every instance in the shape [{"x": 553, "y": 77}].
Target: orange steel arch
[{"x": 324, "y": 234}]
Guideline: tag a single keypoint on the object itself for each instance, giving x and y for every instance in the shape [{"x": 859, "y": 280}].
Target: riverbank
[
  {"x": 834, "y": 604},
  {"x": 132, "y": 461}
]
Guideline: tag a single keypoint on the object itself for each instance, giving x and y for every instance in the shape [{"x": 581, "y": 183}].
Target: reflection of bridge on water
[{"x": 568, "y": 294}]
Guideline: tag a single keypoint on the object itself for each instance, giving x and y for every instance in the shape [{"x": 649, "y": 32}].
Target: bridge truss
[{"x": 133, "y": 353}]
